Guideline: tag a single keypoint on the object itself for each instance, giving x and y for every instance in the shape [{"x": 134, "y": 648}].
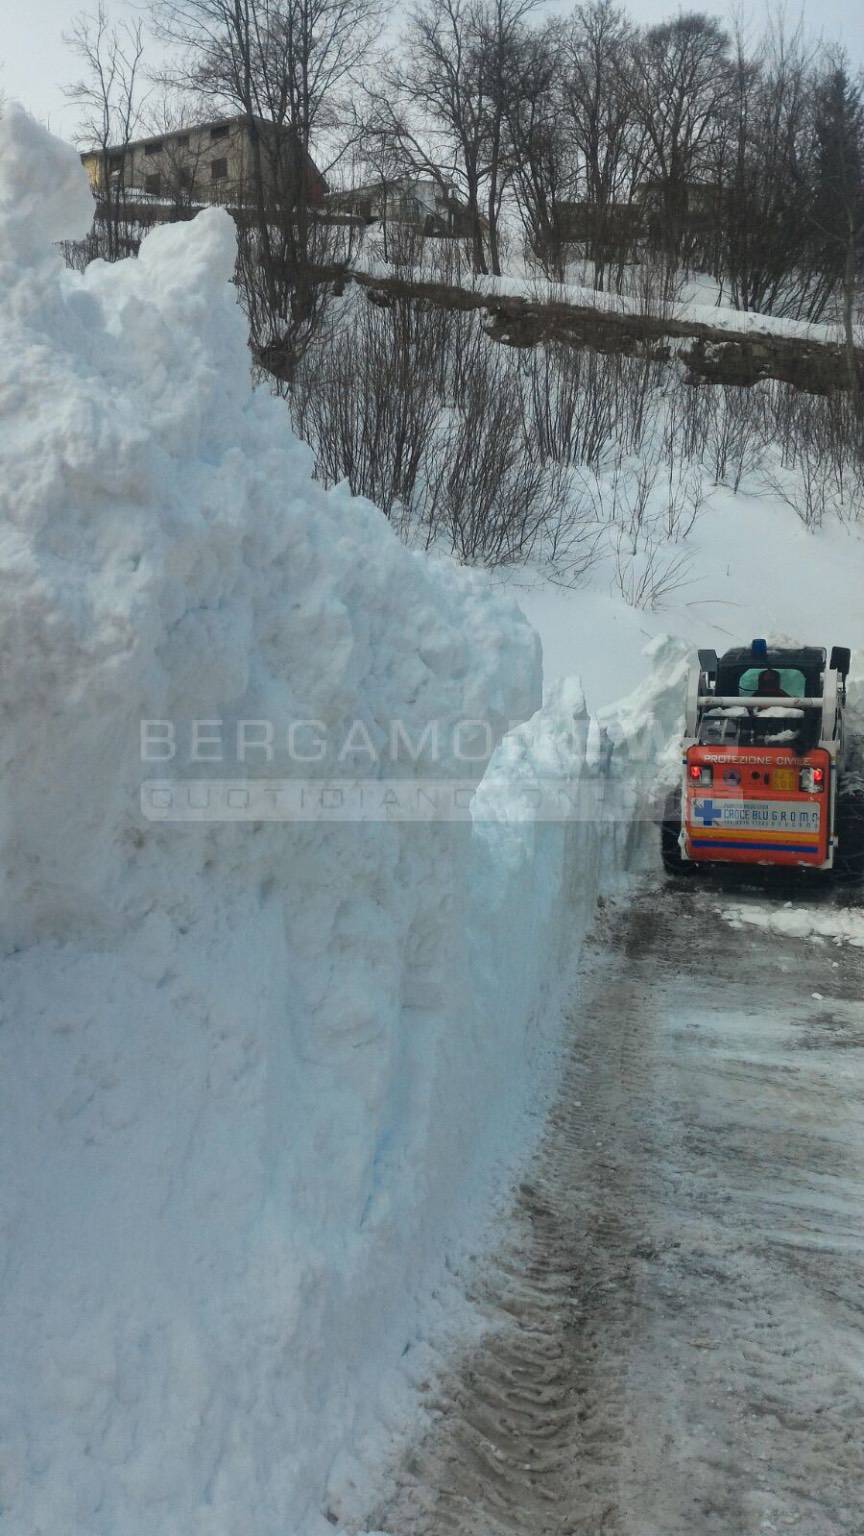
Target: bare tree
[
  {"x": 838, "y": 204},
  {"x": 378, "y": 158},
  {"x": 109, "y": 94},
  {"x": 446, "y": 104},
  {"x": 283, "y": 66},
  {"x": 681, "y": 83},
  {"x": 544, "y": 169},
  {"x": 500, "y": 38},
  {"x": 436, "y": 106},
  {"x": 597, "y": 105},
  {"x": 764, "y": 242}
]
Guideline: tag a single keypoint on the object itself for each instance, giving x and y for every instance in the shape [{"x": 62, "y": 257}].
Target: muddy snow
[{"x": 673, "y": 1340}]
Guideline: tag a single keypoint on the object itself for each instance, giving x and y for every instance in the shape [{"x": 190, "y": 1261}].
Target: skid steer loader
[{"x": 765, "y": 776}]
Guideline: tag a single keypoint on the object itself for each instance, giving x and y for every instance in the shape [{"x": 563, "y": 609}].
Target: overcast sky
[{"x": 35, "y": 65}]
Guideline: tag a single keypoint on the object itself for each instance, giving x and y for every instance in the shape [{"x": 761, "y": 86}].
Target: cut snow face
[
  {"x": 244, "y": 1071},
  {"x": 166, "y": 555}
]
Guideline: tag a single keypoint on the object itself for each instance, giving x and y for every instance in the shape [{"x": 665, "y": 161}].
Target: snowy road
[{"x": 676, "y": 1342}]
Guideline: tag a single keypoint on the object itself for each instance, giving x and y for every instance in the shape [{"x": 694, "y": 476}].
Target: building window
[
  {"x": 218, "y": 170},
  {"x": 153, "y": 149},
  {"x": 220, "y": 131},
  {"x": 182, "y": 141},
  {"x": 153, "y": 184}
]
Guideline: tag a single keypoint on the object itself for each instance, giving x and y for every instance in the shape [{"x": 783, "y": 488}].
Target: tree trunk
[
  {"x": 494, "y": 256},
  {"x": 849, "y": 295},
  {"x": 477, "y": 248}
]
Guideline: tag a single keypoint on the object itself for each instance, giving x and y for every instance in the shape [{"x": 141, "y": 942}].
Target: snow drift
[
  {"x": 227, "y": 1052},
  {"x": 256, "y": 1080}
]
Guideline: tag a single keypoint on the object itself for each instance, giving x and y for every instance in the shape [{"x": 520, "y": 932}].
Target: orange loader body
[
  {"x": 748, "y": 806},
  {"x": 767, "y": 774}
]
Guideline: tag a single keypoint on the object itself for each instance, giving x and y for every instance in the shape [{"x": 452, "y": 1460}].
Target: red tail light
[
  {"x": 695, "y": 772},
  {"x": 812, "y": 780}
]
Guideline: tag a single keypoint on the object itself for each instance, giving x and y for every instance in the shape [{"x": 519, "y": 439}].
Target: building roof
[{"x": 239, "y": 118}]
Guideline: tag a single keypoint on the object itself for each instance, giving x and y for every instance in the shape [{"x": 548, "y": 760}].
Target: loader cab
[
  {"x": 742, "y": 673},
  {"x": 801, "y": 672}
]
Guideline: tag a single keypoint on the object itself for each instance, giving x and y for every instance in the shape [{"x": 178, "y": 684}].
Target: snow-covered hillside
[
  {"x": 749, "y": 568},
  {"x": 259, "y": 1082}
]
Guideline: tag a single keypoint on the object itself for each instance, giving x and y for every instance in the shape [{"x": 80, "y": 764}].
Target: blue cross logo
[{"x": 703, "y": 811}]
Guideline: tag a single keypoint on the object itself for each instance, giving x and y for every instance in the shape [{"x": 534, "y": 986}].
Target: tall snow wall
[{"x": 256, "y": 1079}]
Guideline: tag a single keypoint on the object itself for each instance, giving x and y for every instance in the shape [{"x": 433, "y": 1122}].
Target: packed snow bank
[
  {"x": 239, "y": 1063},
  {"x": 553, "y": 827},
  {"x": 837, "y": 925},
  {"x": 257, "y": 1079}
]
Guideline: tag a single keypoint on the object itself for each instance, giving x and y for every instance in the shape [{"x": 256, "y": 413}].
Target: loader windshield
[{"x": 792, "y": 682}]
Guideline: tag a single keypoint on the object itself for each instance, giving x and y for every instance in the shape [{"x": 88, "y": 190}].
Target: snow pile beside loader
[
  {"x": 227, "y": 1051},
  {"x": 257, "y": 1078}
]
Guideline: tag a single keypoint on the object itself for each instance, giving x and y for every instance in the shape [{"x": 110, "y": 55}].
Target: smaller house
[
  {"x": 701, "y": 201},
  {"x": 615, "y": 225},
  {"x": 420, "y": 203}
]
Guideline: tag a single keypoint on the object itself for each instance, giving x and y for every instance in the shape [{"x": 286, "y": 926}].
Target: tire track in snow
[{"x": 675, "y": 1342}]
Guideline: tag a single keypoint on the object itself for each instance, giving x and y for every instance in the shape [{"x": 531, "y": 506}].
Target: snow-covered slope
[
  {"x": 750, "y": 568},
  {"x": 257, "y": 1080}
]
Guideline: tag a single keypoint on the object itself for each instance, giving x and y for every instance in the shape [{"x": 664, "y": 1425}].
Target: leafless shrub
[
  {"x": 546, "y": 264},
  {"x": 450, "y": 262},
  {"x": 835, "y": 435},
  {"x": 639, "y": 386},
  {"x": 684, "y": 498},
  {"x": 621, "y": 498},
  {"x": 684, "y": 422},
  {"x": 636, "y": 501},
  {"x": 488, "y": 497},
  {"x": 658, "y": 286},
  {"x": 401, "y": 247},
  {"x": 568, "y": 405},
  {"x": 417, "y": 410},
  {"x": 553, "y": 455},
  {"x": 819, "y": 454},
  {"x": 605, "y": 496},
  {"x": 78, "y": 254},
  {"x": 647, "y": 576},
  {"x": 367, "y": 404},
  {"x": 736, "y": 436},
  {"x": 807, "y": 490},
  {"x": 570, "y": 543},
  {"x": 466, "y": 353}
]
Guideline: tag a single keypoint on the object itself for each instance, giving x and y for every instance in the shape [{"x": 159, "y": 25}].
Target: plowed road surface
[{"x": 676, "y": 1321}]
